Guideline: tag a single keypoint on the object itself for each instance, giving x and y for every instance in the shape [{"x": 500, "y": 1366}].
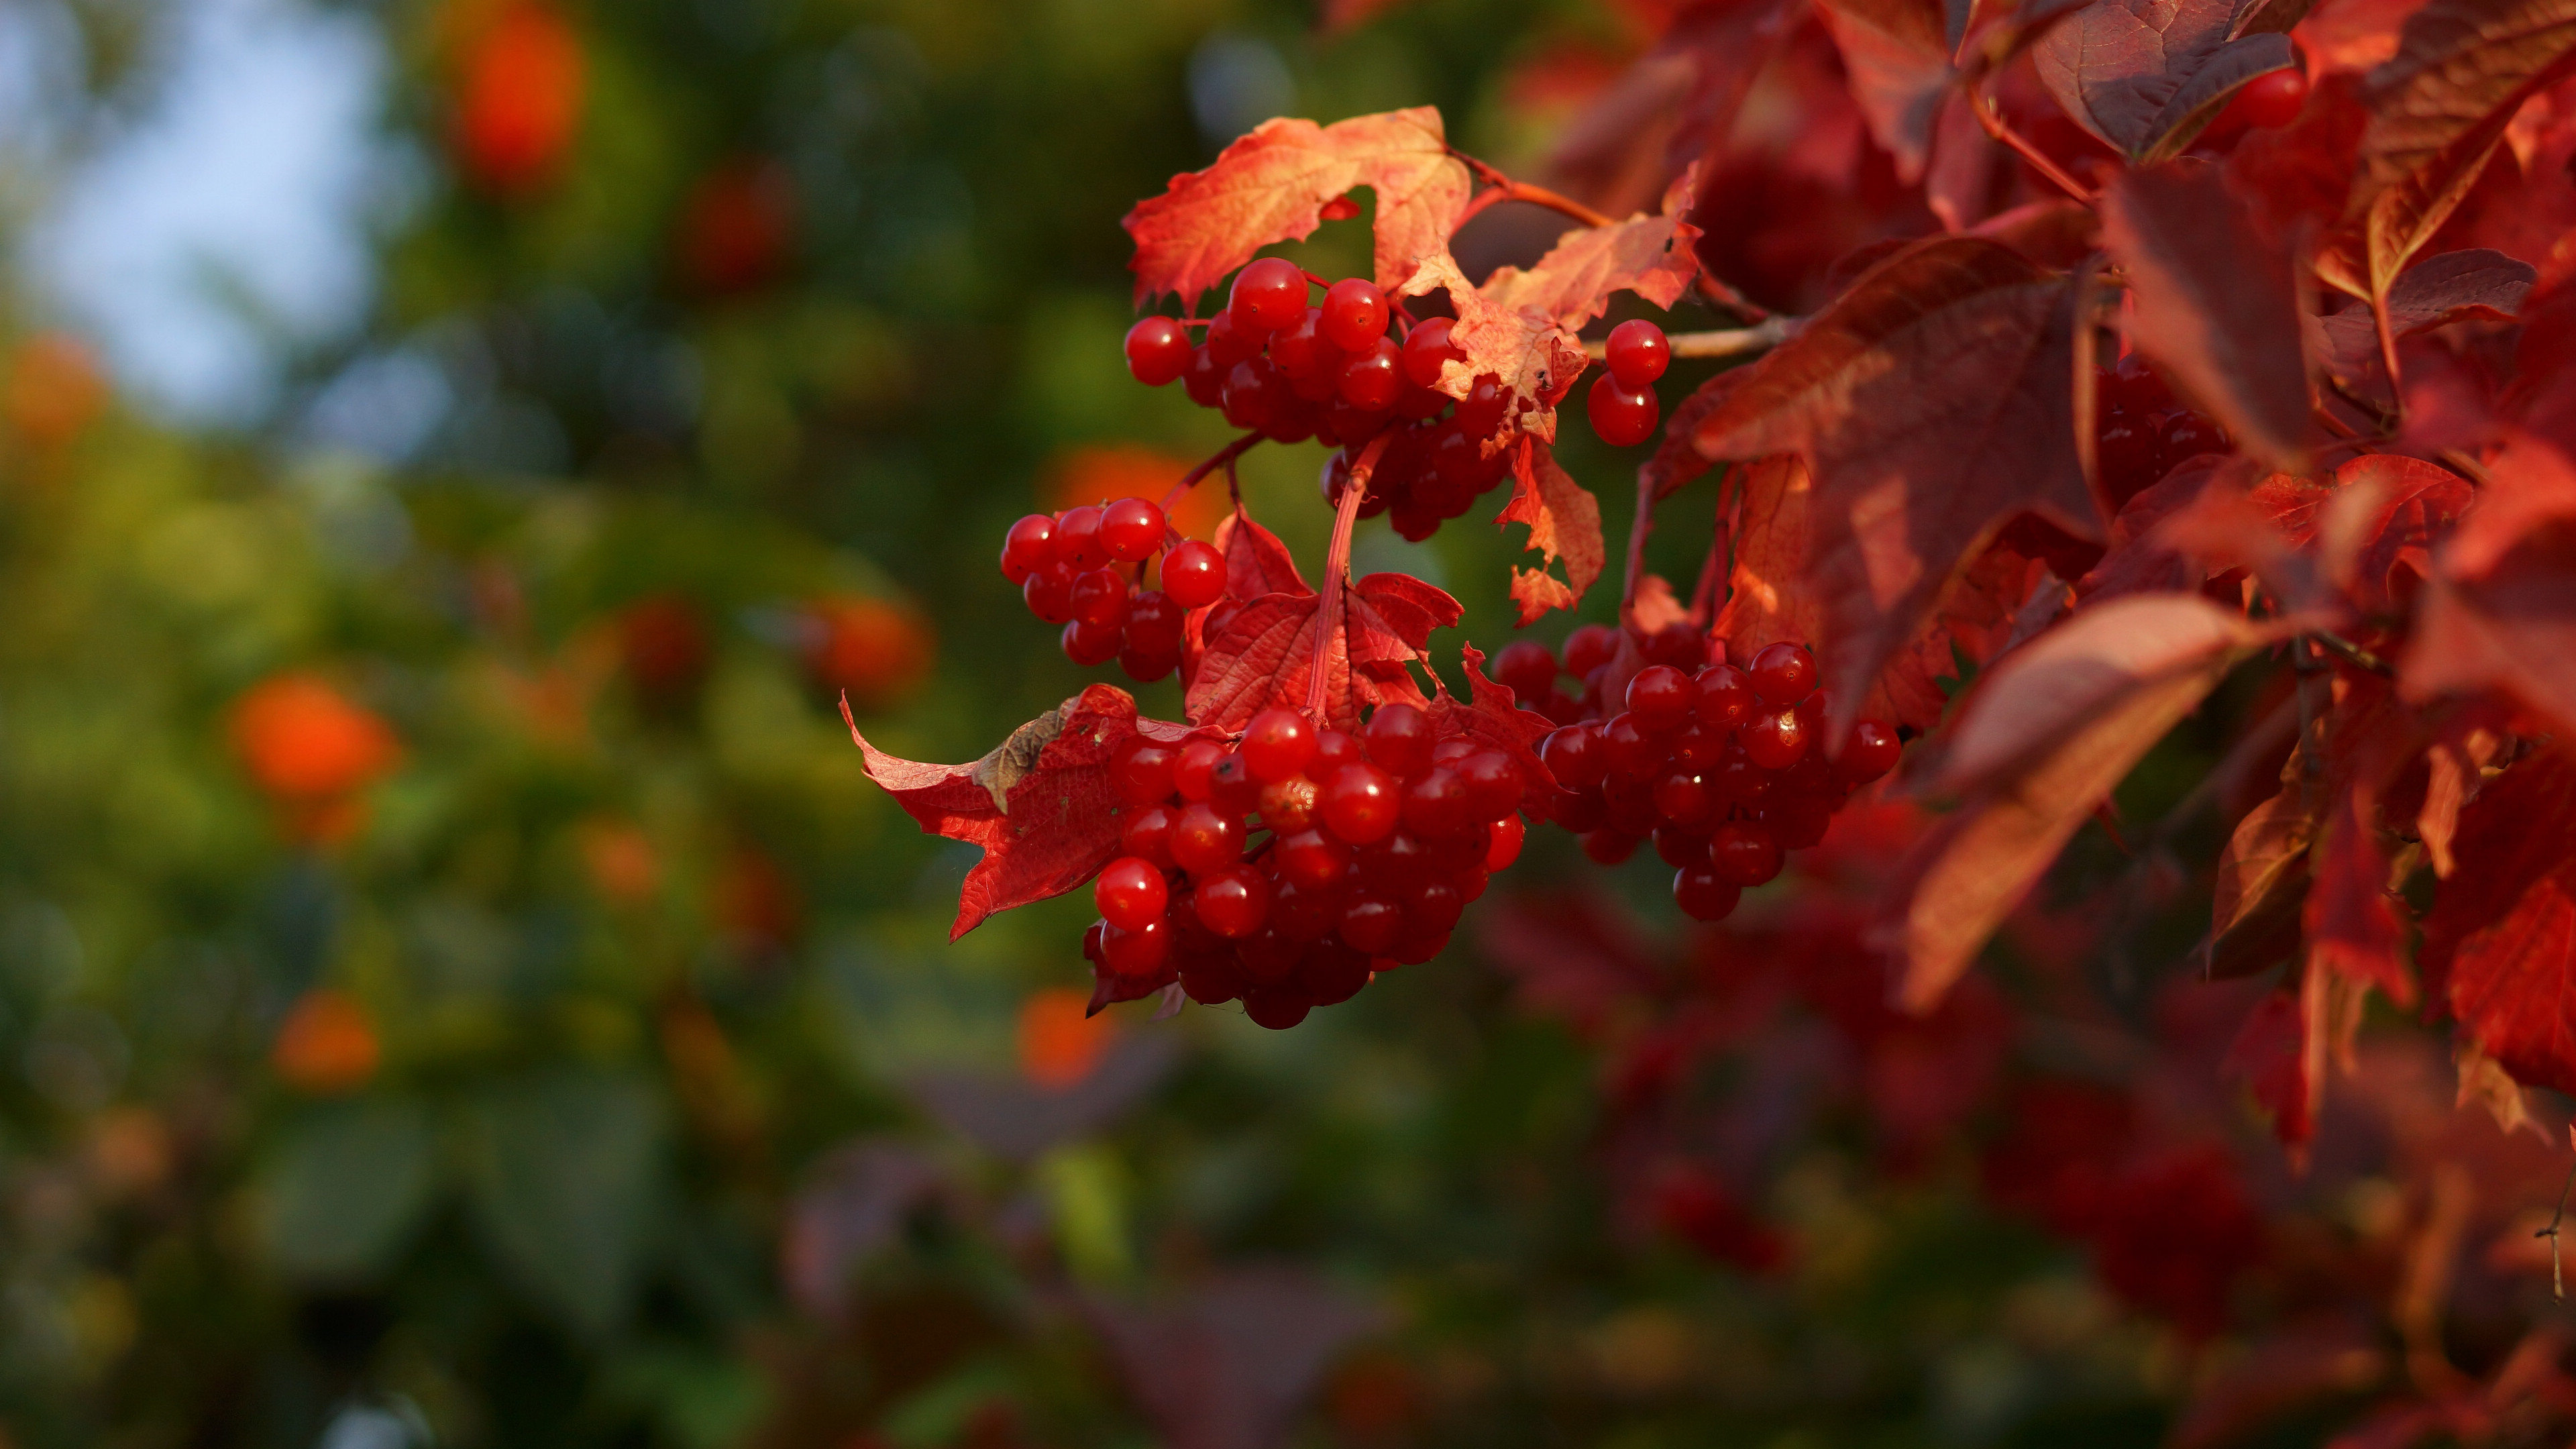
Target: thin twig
[
  {"x": 1224, "y": 458},
  {"x": 1506, "y": 189},
  {"x": 1337, "y": 562},
  {"x": 2557, "y": 1277},
  {"x": 2354, "y": 655},
  {"x": 1725, "y": 342},
  {"x": 1995, "y": 126}
]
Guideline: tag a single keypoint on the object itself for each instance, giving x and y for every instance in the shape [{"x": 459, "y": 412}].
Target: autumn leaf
[
  {"x": 1898, "y": 58},
  {"x": 2147, "y": 75},
  {"x": 1490, "y": 716},
  {"x": 1677, "y": 460},
  {"x": 2350, "y": 926},
  {"x": 1648, "y": 255},
  {"x": 1265, "y": 653},
  {"x": 1564, "y": 522},
  {"x": 2435, "y": 292},
  {"x": 1256, "y": 562},
  {"x": 1274, "y": 184},
  {"x": 1933, "y": 403},
  {"x": 2500, "y": 608},
  {"x": 2046, "y": 735},
  {"x": 2500, "y": 942},
  {"x": 2270, "y": 1056},
  {"x": 2213, "y": 303},
  {"x": 1041, "y": 805},
  {"x": 1528, "y": 353},
  {"x": 2262, "y": 888},
  {"x": 2388, "y": 512}
]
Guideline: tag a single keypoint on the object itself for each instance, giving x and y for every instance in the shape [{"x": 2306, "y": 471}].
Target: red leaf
[
  {"x": 1648, "y": 255},
  {"x": 2295, "y": 178},
  {"x": 2213, "y": 303},
  {"x": 1519, "y": 345},
  {"x": 2270, "y": 1056},
  {"x": 1265, "y": 653},
  {"x": 1274, "y": 184},
  {"x": 1256, "y": 562},
  {"x": 2500, "y": 608},
  {"x": 2147, "y": 75},
  {"x": 2435, "y": 292},
  {"x": 2390, "y": 510},
  {"x": 2262, "y": 888},
  {"x": 1898, "y": 60},
  {"x": 2351, "y": 928},
  {"x": 1933, "y": 403},
  {"x": 2047, "y": 734},
  {"x": 1041, "y": 805},
  {"x": 2142, "y": 558},
  {"x": 1492, "y": 718},
  {"x": 1564, "y": 522},
  {"x": 2500, "y": 942},
  {"x": 1677, "y": 459}
]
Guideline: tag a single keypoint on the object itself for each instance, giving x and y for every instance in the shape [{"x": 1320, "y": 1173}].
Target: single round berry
[
  {"x": 1232, "y": 787},
  {"x": 1210, "y": 980},
  {"x": 1131, "y": 529},
  {"x": 1131, "y": 893},
  {"x": 1332, "y": 975},
  {"x": 1205, "y": 380},
  {"x": 1633, "y": 750},
  {"x": 1277, "y": 1007},
  {"x": 1355, "y": 314},
  {"x": 1147, "y": 835},
  {"x": 1049, "y": 594},
  {"x": 1333, "y": 749},
  {"x": 1683, "y": 800},
  {"x": 1675, "y": 846},
  {"x": 1372, "y": 379},
  {"x": 1361, "y": 804},
  {"x": 1427, "y": 349},
  {"x": 1399, "y": 740},
  {"x": 1268, "y": 294},
  {"x": 1158, "y": 350},
  {"x": 1288, "y": 806},
  {"x": 1271, "y": 956},
  {"x": 1227, "y": 344},
  {"x": 1312, "y": 860},
  {"x": 1526, "y": 669},
  {"x": 1077, "y": 538},
  {"x": 1371, "y": 923},
  {"x": 1697, "y": 746},
  {"x": 1744, "y": 853},
  {"x": 1661, "y": 697},
  {"x": 1303, "y": 912},
  {"x": 1481, "y": 412},
  {"x": 1608, "y": 846},
  {"x": 1493, "y": 782},
  {"x": 1703, "y": 894},
  {"x": 1154, "y": 623},
  {"x": 1436, "y": 804},
  {"x": 1623, "y": 416},
  {"x": 1191, "y": 773},
  {"x": 1783, "y": 673},
  {"x": 1869, "y": 752},
  {"x": 1194, "y": 574},
  {"x": 1590, "y": 647},
  {"x": 1140, "y": 952},
  {"x": 1100, "y": 599},
  {"x": 1575, "y": 756},
  {"x": 1637, "y": 352},
  {"x": 1775, "y": 740},
  {"x": 1028, "y": 547},
  {"x": 1278, "y": 743},
  {"x": 1090, "y": 645},
  {"x": 1233, "y": 903},
  {"x": 1141, "y": 768},
  {"x": 2272, "y": 99},
  {"x": 1505, "y": 845},
  {"x": 1724, "y": 697}
]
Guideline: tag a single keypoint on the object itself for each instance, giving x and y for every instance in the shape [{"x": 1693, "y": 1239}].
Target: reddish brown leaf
[
  {"x": 1273, "y": 185},
  {"x": 2141, "y": 558},
  {"x": 1677, "y": 459},
  {"x": 2465, "y": 742},
  {"x": 2351, "y": 928},
  {"x": 2500, "y": 943},
  {"x": 2147, "y": 75},
  {"x": 2262, "y": 888},
  {"x": 2270, "y": 1056},
  {"x": 1651, "y": 256},
  {"x": 2294, "y": 179},
  {"x": 2500, "y": 608},
  {"x": 1933, "y": 402},
  {"x": 1490, "y": 716},
  {"x": 2049, "y": 731},
  {"x": 2435, "y": 292},
  {"x": 1041, "y": 805},
  {"x": 1898, "y": 59},
  {"x": 1564, "y": 522},
  {"x": 2387, "y": 513},
  {"x": 1265, "y": 653},
  {"x": 2213, "y": 303},
  {"x": 1521, "y": 346}
]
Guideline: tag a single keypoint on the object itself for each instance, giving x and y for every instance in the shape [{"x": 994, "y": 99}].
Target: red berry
[
  {"x": 1313, "y": 860},
  {"x": 1590, "y": 647},
  {"x": 1131, "y": 529},
  {"x": 1623, "y": 416},
  {"x": 1434, "y": 905},
  {"x": 1703, "y": 894},
  {"x": 1744, "y": 853},
  {"x": 1277, "y": 1007},
  {"x": 1130, "y": 893},
  {"x": 1268, "y": 294},
  {"x": 1698, "y": 746},
  {"x": 1355, "y": 314},
  {"x": 1077, "y": 538},
  {"x": 1158, "y": 350},
  {"x": 1232, "y": 787},
  {"x": 1775, "y": 740},
  {"x": 1631, "y": 749},
  {"x": 1526, "y": 669},
  {"x": 1372, "y": 380},
  {"x": 1147, "y": 835},
  {"x": 1574, "y": 755},
  {"x": 1426, "y": 349},
  {"x": 1436, "y": 804},
  {"x": 1360, "y": 804},
  {"x": 1505, "y": 846},
  {"x": 1146, "y": 666},
  {"x": 1399, "y": 740},
  {"x": 2272, "y": 99},
  {"x": 1493, "y": 784},
  {"x": 1637, "y": 352},
  {"x": 1333, "y": 749},
  {"x": 1100, "y": 599},
  {"x": 1197, "y": 762},
  {"x": 1628, "y": 804},
  {"x": 1304, "y": 912},
  {"x": 1049, "y": 593},
  {"x": 1278, "y": 743},
  {"x": 1028, "y": 547},
  {"x": 1233, "y": 903},
  {"x": 1579, "y": 811},
  {"x": 1090, "y": 645},
  {"x": 1332, "y": 975},
  {"x": 1271, "y": 956},
  {"x": 1154, "y": 623},
  {"x": 1482, "y": 410},
  {"x": 1371, "y": 923},
  {"x": 1682, "y": 800},
  {"x": 1205, "y": 381},
  {"x": 1725, "y": 697},
  {"x": 1869, "y": 752},
  {"x": 1288, "y": 806},
  {"x": 1141, "y": 768},
  {"x": 1210, "y": 980},
  {"x": 1784, "y": 673},
  {"x": 1140, "y": 952},
  {"x": 1676, "y": 846},
  {"x": 1227, "y": 343},
  {"x": 1739, "y": 779},
  {"x": 1661, "y": 696},
  {"x": 1607, "y": 846},
  {"x": 1302, "y": 353},
  {"x": 1194, "y": 574}
]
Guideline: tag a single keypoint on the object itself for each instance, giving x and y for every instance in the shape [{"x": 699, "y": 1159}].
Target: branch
[
  {"x": 2353, "y": 654},
  {"x": 1996, "y": 127},
  {"x": 1726, "y": 342},
  {"x": 1504, "y": 188},
  {"x": 1224, "y": 459},
  {"x": 1337, "y": 563}
]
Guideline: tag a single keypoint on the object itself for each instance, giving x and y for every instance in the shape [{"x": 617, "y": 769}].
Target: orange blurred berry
[
  {"x": 305, "y": 743},
  {"x": 664, "y": 640},
  {"x": 130, "y": 1150},
  {"x": 622, "y": 862},
  {"x": 327, "y": 1044},
  {"x": 755, "y": 902},
  {"x": 738, "y": 227},
  {"x": 519, "y": 100},
  {"x": 873, "y": 649},
  {"x": 1059, "y": 1045},
  {"x": 54, "y": 389}
]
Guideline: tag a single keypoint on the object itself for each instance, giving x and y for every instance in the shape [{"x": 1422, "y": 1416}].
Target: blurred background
[{"x": 457, "y": 986}]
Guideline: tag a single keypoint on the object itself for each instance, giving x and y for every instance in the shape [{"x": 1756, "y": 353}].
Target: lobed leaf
[
  {"x": 1265, "y": 654},
  {"x": 1528, "y": 352},
  {"x": 1564, "y": 522},
  {"x": 1651, "y": 256}
]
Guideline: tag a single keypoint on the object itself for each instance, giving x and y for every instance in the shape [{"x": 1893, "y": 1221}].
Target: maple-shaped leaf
[
  {"x": 2043, "y": 739},
  {"x": 2500, "y": 942},
  {"x": 1265, "y": 654},
  {"x": 1256, "y": 562},
  {"x": 2213, "y": 303},
  {"x": 1933, "y": 402},
  {"x": 1898, "y": 58},
  {"x": 2500, "y": 608},
  {"x": 1274, "y": 184},
  {"x": 2147, "y": 75},
  {"x": 1651, "y": 256},
  {"x": 1528, "y": 352},
  {"x": 2435, "y": 292},
  {"x": 1564, "y": 522},
  {"x": 1491, "y": 716},
  {"x": 1041, "y": 805}
]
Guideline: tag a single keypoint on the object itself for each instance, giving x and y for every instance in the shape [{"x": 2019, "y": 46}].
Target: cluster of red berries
[
  {"x": 1068, "y": 568},
  {"x": 2144, "y": 431},
  {"x": 1290, "y": 867},
  {"x": 1724, "y": 769}
]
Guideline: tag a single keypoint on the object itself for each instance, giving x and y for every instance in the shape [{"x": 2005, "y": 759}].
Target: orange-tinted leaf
[
  {"x": 1273, "y": 185},
  {"x": 1898, "y": 59},
  {"x": 2262, "y": 888},
  {"x": 1564, "y": 522},
  {"x": 2147, "y": 75},
  {"x": 1648, "y": 255},
  {"x": 1678, "y": 459},
  {"x": 2049, "y": 731},
  {"x": 2500, "y": 942},
  {"x": 1041, "y": 805},
  {"x": 2213, "y": 303},
  {"x": 2464, "y": 743},
  {"x": 1519, "y": 345},
  {"x": 2500, "y": 608},
  {"x": 1933, "y": 402}
]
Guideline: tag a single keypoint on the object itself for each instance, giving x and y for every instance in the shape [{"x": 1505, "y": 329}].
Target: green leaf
[
  {"x": 565, "y": 1172},
  {"x": 345, "y": 1188}
]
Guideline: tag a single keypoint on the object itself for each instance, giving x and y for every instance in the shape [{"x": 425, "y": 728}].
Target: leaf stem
[
  {"x": 2388, "y": 356},
  {"x": 1224, "y": 458},
  {"x": 1995, "y": 125},
  {"x": 1504, "y": 188},
  {"x": 1337, "y": 563},
  {"x": 1725, "y": 342},
  {"x": 2353, "y": 654}
]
